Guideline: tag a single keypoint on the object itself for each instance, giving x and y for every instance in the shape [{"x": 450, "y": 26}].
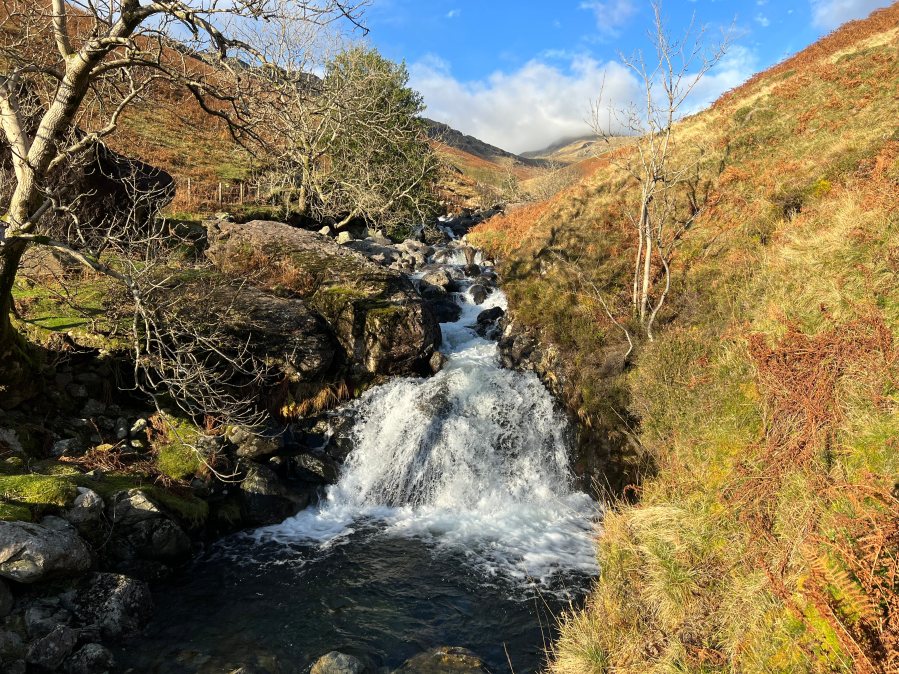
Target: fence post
[
  {"x": 220, "y": 194},
  {"x": 190, "y": 198},
  {"x": 241, "y": 193}
]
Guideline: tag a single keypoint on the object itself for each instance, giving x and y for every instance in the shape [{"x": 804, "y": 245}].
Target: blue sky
[{"x": 521, "y": 74}]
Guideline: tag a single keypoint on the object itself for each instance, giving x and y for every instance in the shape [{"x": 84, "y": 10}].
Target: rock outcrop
[
  {"x": 379, "y": 320},
  {"x": 36, "y": 552}
]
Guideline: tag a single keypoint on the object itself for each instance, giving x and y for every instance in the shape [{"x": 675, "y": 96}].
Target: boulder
[
  {"x": 268, "y": 500},
  {"x": 447, "y": 660},
  {"x": 90, "y": 659},
  {"x": 315, "y": 469},
  {"x": 50, "y": 651},
  {"x": 439, "y": 278},
  {"x": 253, "y": 446},
  {"x": 337, "y": 663},
  {"x": 379, "y": 320},
  {"x": 478, "y": 294},
  {"x": 141, "y": 531},
  {"x": 344, "y": 238},
  {"x": 86, "y": 512},
  {"x": 488, "y": 322},
  {"x": 116, "y": 604},
  {"x": 36, "y": 552},
  {"x": 447, "y": 310}
]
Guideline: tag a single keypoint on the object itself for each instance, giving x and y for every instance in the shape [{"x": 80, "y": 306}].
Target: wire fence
[{"x": 199, "y": 195}]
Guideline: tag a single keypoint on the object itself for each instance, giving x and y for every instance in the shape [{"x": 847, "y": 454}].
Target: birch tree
[{"x": 668, "y": 202}]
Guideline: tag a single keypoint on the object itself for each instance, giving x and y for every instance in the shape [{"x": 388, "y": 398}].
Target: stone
[
  {"x": 381, "y": 324},
  {"x": 141, "y": 531},
  {"x": 488, "y": 322},
  {"x": 439, "y": 278},
  {"x": 326, "y": 231},
  {"x": 117, "y": 604},
  {"x": 445, "y": 660},
  {"x": 447, "y": 310},
  {"x": 314, "y": 469},
  {"x": 337, "y": 663},
  {"x": 91, "y": 659},
  {"x": 344, "y": 238},
  {"x": 121, "y": 428},
  {"x": 36, "y": 552},
  {"x": 438, "y": 360},
  {"x": 50, "y": 651},
  {"x": 253, "y": 446},
  {"x": 43, "y": 616},
  {"x": 478, "y": 293},
  {"x": 86, "y": 512},
  {"x": 267, "y": 500},
  {"x": 7, "y": 601},
  {"x": 67, "y": 447},
  {"x": 139, "y": 426},
  {"x": 471, "y": 270}
]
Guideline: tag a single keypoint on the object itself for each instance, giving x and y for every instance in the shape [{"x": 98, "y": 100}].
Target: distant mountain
[
  {"x": 469, "y": 144},
  {"x": 576, "y": 148}
]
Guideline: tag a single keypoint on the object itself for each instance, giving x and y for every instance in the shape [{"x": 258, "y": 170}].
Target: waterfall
[{"x": 474, "y": 459}]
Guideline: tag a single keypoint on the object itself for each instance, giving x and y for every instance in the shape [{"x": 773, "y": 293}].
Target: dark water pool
[{"x": 270, "y": 607}]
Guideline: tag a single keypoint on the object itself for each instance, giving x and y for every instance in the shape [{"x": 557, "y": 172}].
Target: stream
[{"x": 455, "y": 522}]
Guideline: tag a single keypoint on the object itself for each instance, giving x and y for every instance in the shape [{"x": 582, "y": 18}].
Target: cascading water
[
  {"x": 454, "y": 522},
  {"x": 475, "y": 457}
]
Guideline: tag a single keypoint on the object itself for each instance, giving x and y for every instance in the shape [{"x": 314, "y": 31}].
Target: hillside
[
  {"x": 573, "y": 150},
  {"x": 765, "y": 533}
]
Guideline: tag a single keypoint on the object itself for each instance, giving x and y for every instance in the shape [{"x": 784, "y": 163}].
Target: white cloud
[
  {"x": 541, "y": 102},
  {"x": 610, "y": 14},
  {"x": 453, "y": 13},
  {"x": 829, "y": 14},
  {"x": 762, "y": 20}
]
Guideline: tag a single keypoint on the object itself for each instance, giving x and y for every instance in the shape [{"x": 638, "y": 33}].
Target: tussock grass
[{"x": 768, "y": 540}]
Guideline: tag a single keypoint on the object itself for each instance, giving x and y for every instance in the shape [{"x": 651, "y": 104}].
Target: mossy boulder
[{"x": 377, "y": 316}]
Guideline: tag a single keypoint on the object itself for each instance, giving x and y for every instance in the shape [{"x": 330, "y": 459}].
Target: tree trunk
[
  {"x": 17, "y": 361},
  {"x": 647, "y": 265},
  {"x": 9, "y": 266}
]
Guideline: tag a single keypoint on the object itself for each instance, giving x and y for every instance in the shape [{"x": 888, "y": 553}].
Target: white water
[{"x": 474, "y": 459}]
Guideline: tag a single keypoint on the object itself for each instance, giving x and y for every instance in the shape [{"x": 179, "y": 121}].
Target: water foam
[{"x": 474, "y": 459}]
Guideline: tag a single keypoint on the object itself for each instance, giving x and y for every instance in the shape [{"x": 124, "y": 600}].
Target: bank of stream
[{"x": 455, "y": 522}]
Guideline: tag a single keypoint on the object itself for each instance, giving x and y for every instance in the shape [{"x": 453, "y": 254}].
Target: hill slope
[{"x": 766, "y": 537}]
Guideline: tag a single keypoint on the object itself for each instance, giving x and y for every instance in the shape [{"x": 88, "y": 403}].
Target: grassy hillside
[{"x": 767, "y": 539}]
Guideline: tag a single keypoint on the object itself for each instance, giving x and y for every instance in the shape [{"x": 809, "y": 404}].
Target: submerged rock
[
  {"x": 337, "y": 663},
  {"x": 447, "y": 660}
]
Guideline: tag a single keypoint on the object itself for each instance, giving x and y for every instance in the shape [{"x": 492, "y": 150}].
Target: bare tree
[
  {"x": 667, "y": 79},
  {"x": 69, "y": 69}
]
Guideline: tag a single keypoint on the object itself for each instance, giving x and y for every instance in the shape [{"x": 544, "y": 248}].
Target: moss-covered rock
[{"x": 378, "y": 317}]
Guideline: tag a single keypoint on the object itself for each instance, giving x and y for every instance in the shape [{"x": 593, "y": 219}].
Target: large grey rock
[
  {"x": 91, "y": 659},
  {"x": 50, "y": 651},
  {"x": 380, "y": 321},
  {"x": 252, "y": 446},
  {"x": 141, "y": 531},
  {"x": 478, "y": 293},
  {"x": 116, "y": 604},
  {"x": 337, "y": 663},
  {"x": 35, "y": 552}
]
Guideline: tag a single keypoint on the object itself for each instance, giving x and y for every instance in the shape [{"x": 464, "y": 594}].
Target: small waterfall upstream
[
  {"x": 454, "y": 523},
  {"x": 475, "y": 457}
]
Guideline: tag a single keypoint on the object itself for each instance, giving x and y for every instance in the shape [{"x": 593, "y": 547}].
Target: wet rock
[
  {"x": 439, "y": 278},
  {"x": 91, "y": 659},
  {"x": 487, "y": 320},
  {"x": 447, "y": 310},
  {"x": 446, "y": 660},
  {"x": 267, "y": 500},
  {"x": 116, "y": 604},
  {"x": 471, "y": 270},
  {"x": 43, "y": 616},
  {"x": 36, "y": 552},
  {"x": 438, "y": 360},
  {"x": 7, "y": 601},
  {"x": 478, "y": 294},
  {"x": 50, "y": 651},
  {"x": 337, "y": 663},
  {"x": 319, "y": 470}
]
